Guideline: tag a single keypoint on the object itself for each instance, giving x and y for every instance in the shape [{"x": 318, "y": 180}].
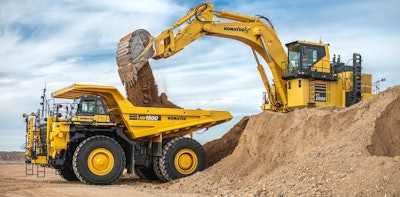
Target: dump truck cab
[{"x": 90, "y": 109}]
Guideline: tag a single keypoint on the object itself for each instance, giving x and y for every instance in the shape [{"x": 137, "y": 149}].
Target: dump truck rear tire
[
  {"x": 157, "y": 169},
  {"x": 182, "y": 157},
  {"x": 146, "y": 173},
  {"x": 156, "y": 163},
  {"x": 99, "y": 160},
  {"x": 67, "y": 174}
]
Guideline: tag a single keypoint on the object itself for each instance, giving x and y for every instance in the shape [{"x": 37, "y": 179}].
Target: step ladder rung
[
  {"x": 40, "y": 171},
  {"x": 28, "y": 169}
]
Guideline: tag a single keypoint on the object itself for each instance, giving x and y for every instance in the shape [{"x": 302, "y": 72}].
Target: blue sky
[{"x": 63, "y": 42}]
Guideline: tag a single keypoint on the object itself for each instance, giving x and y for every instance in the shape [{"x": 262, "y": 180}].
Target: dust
[{"x": 313, "y": 152}]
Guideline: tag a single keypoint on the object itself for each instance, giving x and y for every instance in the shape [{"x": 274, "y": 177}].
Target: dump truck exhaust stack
[{"x": 133, "y": 52}]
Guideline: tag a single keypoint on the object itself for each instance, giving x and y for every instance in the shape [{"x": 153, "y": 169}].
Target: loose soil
[
  {"x": 145, "y": 91},
  {"x": 326, "y": 151}
]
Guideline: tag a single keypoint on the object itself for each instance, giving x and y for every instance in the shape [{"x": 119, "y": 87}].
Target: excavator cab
[{"x": 308, "y": 60}]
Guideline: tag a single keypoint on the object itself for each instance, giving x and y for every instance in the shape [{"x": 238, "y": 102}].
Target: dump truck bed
[{"x": 146, "y": 122}]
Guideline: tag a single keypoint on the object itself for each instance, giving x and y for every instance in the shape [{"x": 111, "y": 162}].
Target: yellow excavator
[{"x": 303, "y": 77}]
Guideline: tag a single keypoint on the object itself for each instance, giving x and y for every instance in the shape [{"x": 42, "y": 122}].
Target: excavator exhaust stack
[{"x": 130, "y": 48}]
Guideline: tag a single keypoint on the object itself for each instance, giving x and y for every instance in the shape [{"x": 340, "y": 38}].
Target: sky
[{"x": 58, "y": 43}]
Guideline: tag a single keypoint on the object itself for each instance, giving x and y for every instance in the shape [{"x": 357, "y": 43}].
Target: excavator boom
[
  {"x": 302, "y": 77},
  {"x": 257, "y": 32}
]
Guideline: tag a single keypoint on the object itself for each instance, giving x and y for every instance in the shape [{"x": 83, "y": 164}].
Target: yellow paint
[
  {"x": 186, "y": 161},
  {"x": 100, "y": 161}
]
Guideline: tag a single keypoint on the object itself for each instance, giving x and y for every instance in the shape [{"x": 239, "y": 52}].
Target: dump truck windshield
[{"x": 88, "y": 106}]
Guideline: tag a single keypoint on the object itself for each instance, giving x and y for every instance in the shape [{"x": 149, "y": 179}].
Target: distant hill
[{"x": 12, "y": 157}]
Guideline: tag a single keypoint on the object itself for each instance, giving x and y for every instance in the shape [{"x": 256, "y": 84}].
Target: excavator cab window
[
  {"x": 294, "y": 59},
  {"x": 310, "y": 55},
  {"x": 302, "y": 57}
]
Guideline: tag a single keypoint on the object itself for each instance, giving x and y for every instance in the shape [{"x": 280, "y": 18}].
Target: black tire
[
  {"x": 66, "y": 171},
  {"x": 99, "y": 160},
  {"x": 182, "y": 157},
  {"x": 67, "y": 174},
  {"x": 146, "y": 173},
  {"x": 156, "y": 163},
  {"x": 157, "y": 169}
]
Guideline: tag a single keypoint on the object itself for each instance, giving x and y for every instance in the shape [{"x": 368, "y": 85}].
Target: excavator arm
[{"x": 257, "y": 32}]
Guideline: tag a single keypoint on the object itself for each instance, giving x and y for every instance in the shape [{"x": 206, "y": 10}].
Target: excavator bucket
[{"x": 132, "y": 54}]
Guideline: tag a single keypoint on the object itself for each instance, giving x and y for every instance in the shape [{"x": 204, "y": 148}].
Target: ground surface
[{"x": 14, "y": 183}]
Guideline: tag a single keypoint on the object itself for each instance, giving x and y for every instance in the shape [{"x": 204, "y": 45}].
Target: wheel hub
[
  {"x": 186, "y": 161},
  {"x": 100, "y": 161}
]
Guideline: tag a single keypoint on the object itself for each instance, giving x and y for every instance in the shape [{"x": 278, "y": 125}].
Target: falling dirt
[{"x": 145, "y": 91}]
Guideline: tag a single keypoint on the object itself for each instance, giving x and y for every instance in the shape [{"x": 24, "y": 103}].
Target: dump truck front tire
[
  {"x": 99, "y": 160},
  {"x": 66, "y": 171},
  {"x": 182, "y": 157}
]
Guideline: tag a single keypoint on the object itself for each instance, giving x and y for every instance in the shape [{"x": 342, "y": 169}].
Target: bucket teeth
[{"x": 128, "y": 50}]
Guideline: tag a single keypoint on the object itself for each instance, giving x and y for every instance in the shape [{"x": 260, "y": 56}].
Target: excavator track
[{"x": 129, "y": 48}]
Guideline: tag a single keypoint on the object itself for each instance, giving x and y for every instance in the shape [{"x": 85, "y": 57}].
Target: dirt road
[{"x": 14, "y": 183}]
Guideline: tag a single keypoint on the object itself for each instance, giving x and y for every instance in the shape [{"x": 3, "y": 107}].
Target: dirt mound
[
  {"x": 312, "y": 152},
  {"x": 386, "y": 138},
  {"x": 145, "y": 92},
  {"x": 224, "y": 146}
]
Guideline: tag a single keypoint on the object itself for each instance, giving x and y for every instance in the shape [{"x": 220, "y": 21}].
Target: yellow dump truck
[{"x": 100, "y": 134}]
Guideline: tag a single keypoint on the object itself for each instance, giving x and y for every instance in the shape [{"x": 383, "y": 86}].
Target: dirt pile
[
  {"x": 313, "y": 152},
  {"x": 224, "y": 146},
  {"x": 145, "y": 91}
]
